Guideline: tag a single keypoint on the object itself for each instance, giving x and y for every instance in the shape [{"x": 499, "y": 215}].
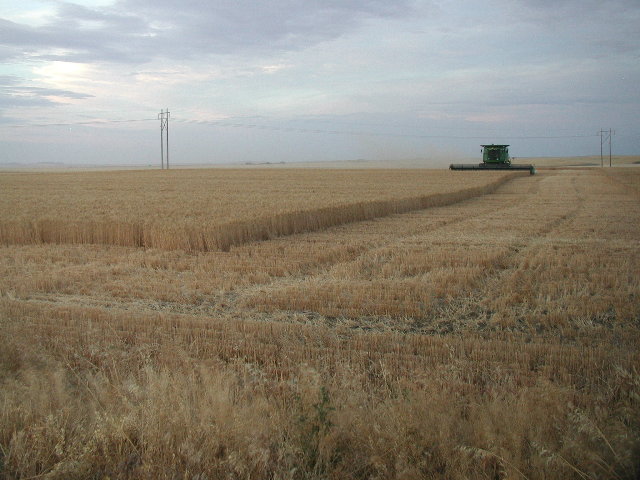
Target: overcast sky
[{"x": 285, "y": 80}]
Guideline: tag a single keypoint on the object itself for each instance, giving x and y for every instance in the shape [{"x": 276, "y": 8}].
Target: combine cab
[{"x": 494, "y": 157}]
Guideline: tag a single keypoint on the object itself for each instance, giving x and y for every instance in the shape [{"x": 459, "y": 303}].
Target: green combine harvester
[{"x": 494, "y": 157}]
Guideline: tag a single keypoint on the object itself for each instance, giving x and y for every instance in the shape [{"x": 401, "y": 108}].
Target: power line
[
  {"x": 294, "y": 129},
  {"x": 70, "y": 124},
  {"x": 220, "y": 123}
]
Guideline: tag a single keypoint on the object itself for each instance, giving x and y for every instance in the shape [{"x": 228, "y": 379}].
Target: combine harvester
[{"x": 494, "y": 157}]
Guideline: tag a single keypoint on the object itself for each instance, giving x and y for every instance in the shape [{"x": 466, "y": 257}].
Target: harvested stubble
[
  {"x": 125, "y": 395},
  {"x": 565, "y": 254},
  {"x": 214, "y": 209},
  {"x": 124, "y": 362}
]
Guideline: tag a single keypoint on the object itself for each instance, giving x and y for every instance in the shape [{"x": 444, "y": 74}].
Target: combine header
[{"x": 494, "y": 157}]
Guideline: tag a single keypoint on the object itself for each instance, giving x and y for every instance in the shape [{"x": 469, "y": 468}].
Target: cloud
[
  {"x": 466, "y": 67},
  {"x": 136, "y": 31},
  {"x": 591, "y": 27},
  {"x": 228, "y": 26},
  {"x": 13, "y": 93},
  {"x": 77, "y": 33}
]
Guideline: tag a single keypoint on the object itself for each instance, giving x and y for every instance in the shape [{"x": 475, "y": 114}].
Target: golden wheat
[
  {"x": 214, "y": 209},
  {"x": 493, "y": 338}
]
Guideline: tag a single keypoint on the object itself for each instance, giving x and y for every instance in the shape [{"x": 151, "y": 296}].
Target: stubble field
[{"x": 320, "y": 324}]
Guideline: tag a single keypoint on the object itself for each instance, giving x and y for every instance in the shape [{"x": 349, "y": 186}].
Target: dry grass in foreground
[
  {"x": 495, "y": 338},
  {"x": 94, "y": 394}
]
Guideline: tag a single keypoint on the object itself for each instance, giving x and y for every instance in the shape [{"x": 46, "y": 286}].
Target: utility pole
[
  {"x": 611, "y": 133},
  {"x": 605, "y": 136},
  {"x": 164, "y": 137}
]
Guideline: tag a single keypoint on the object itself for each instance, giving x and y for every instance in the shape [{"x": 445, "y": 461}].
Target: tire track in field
[
  {"x": 524, "y": 213},
  {"x": 580, "y": 271},
  {"x": 367, "y": 237},
  {"x": 472, "y": 311},
  {"x": 397, "y": 233},
  {"x": 372, "y": 235}
]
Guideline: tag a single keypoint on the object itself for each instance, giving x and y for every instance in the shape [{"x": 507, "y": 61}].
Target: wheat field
[
  {"x": 202, "y": 210},
  {"x": 375, "y": 324}
]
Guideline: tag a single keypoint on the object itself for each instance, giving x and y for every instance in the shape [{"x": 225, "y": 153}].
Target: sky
[{"x": 83, "y": 82}]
